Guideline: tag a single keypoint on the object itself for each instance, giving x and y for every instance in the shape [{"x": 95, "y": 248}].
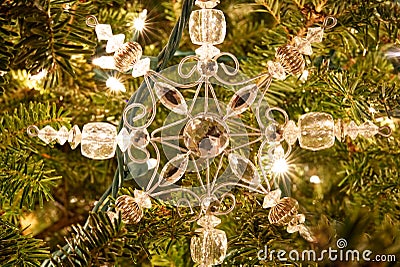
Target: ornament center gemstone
[{"x": 206, "y": 136}]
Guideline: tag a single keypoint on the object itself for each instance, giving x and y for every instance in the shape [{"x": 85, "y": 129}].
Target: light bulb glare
[
  {"x": 115, "y": 85},
  {"x": 280, "y": 166},
  {"x": 139, "y": 23},
  {"x": 315, "y": 179}
]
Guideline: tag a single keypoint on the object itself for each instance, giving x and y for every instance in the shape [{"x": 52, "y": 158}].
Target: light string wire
[{"x": 121, "y": 174}]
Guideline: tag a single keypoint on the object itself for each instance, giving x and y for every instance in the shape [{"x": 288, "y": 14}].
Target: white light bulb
[
  {"x": 140, "y": 22},
  {"x": 315, "y": 179},
  {"x": 115, "y": 85},
  {"x": 280, "y": 166}
]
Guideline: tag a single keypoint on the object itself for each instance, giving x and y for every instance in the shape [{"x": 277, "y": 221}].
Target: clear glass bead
[
  {"x": 98, "y": 140},
  {"x": 351, "y": 130},
  {"x": 140, "y": 138},
  {"x": 141, "y": 67},
  {"x": 316, "y": 131},
  {"x": 207, "y": 26},
  {"x": 368, "y": 129},
  {"x": 47, "y": 134},
  {"x": 291, "y": 132},
  {"x": 315, "y": 35},
  {"x": 303, "y": 45},
  {"x": 207, "y": 3},
  {"x": 62, "y": 135},
  {"x": 103, "y": 31},
  {"x": 142, "y": 198},
  {"x": 123, "y": 139},
  {"x": 115, "y": 42},
  {"x": 74, "y": 137},
  {"x": 208, "y": 246},
  {"x": 206, "y": 52},
  {"x": 272, "y": 198},
  {"x": 276, "y": 70}
]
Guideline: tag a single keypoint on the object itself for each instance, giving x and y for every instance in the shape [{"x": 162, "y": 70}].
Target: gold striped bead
[
  {"x": 283, "y": 212},
  {"x": 130, "y": 210},
  {"x": 127, "y": 55},
  {"x": 291, "y": 59}
]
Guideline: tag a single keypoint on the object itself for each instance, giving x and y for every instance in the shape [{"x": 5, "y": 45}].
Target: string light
[
  {"x": 279, "y": 166},
  {"x": 115, "y": 85},
  {"x": 314, "y": 179},
  {"x": 39, "y": 76},
  {"x": 139, "y": 23}
]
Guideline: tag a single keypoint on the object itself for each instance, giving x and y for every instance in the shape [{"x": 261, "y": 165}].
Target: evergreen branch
[
  {"x": 102, "y": 242},
  {"x": 24, "y": 180},
  {"x": 17, "y": 249},
  {"x": 13, "y": 126}
]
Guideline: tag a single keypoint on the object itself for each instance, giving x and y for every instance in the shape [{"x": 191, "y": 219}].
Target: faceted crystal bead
[
  {"x": 207, "y": 68},
  {"x": 315, "y": 35},
  {"x": 276, "y": 70},
  {"x": 368, "y": 129},
  {"x": 303, "y": 45},
  {"x": 62, "y": 135},
  {"x": 272, "y": 198},
  {"x": 207, "y": 52},
  {"x": 244, "y": 169},
  {"x": 127, "y": 55},
  {"x": 291, "y": 132},
  {"x": 130, "y": 210},
  {"x": 174, "y": 170},
  {"x": 74, "y": 137},
  {"x": 339, "y": 130},
  {"x": 206, "y": 136},
  {"x": 140, "y": 138},
  {"x": 207, "y": 3},
  {"x": 208, "y": 245},
  {"x": 47, "y": 134},
  {"x": 283, "y": 212},
  {"x": 98, "y": 140},
  {"x": 105, "y": 62},
  {"x": 306, "y": 233},
  {"x": 207, "y": 26},
  {"x": 291, "y": 59},
  {"x": 170, "y": 97},
  {"x": 115, "y": 42},
  {"x": 142, "y": 198},
  {"x": 123, "y": 139},
  {"x": 316, "y": 131},
  {"x": 351, "y": 130},
  {"x": 210, "y": 205},
  {"x": 103, "y": 31},
  {"x": 208, "y": 221},
  {"x": 242, "y": 99},
  {"x": 141, "y": 67}
]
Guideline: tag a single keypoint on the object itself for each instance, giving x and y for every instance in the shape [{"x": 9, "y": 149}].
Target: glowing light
[
  {"x": 139, "y": 23},
  {"x": 115, "y": 85},
  {"x": 104, "y": 62},
  {"x": 39, "y": 76},
  {"x": 315, "y": 179},
  {"x": 280, "y": 166},
  {"x": 371, "y": 110}
]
